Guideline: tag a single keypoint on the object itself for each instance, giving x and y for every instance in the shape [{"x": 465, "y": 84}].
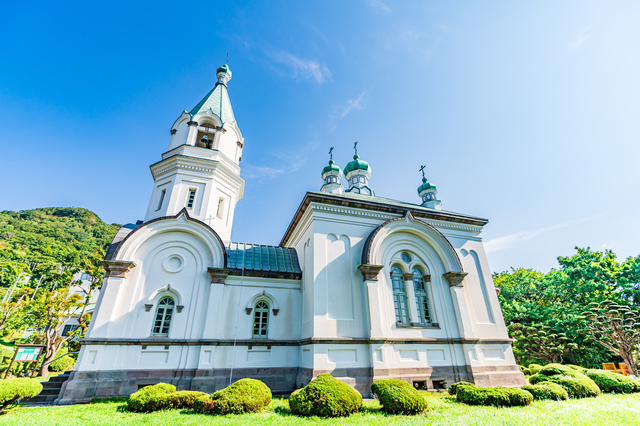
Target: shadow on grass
[
  {"x": 107, "y": 400},
  {"x": 283, "y": 411}
]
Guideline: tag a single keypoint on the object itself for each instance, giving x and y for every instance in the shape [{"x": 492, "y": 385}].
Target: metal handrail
[{"x": 46, "y": 363}]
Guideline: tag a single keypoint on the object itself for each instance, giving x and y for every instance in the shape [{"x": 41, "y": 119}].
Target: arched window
[
  {"x": 422, "y": 300},
  {"x": 399, "y": 296},
  {"x": 164, "y": 313},
  {"x": 261, "y": 319}
]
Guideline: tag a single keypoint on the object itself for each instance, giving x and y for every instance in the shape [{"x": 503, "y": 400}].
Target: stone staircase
[{"x": 50, "y": 391}]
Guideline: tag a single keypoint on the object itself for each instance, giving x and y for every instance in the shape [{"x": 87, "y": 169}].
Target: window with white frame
[
  {"x": 399, "y": 296},
  {"x": 261, "y": 319},
  {"x": 68, "y": 329},
  {"x": 422, "y": 299},
  {"x": 191, "y": 198},
  {"x": 164, "y": 314}
]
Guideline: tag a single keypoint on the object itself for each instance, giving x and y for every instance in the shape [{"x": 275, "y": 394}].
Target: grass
[{"x": 607, "y": 409}]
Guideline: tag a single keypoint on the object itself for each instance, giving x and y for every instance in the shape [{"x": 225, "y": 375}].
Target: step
[
  {"x": 50, "y": 391},
  {"x": 41, "y": 399},
  {"x": 51, "y": 385},
  {"x": 59, "y": 379}
]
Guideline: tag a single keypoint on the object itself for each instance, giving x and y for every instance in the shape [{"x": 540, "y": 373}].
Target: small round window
[{"x": 406, "y": 257}]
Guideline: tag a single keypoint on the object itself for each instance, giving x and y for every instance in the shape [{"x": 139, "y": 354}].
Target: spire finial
[
  {"x": 422, "y": 170},
  {"x": 226, "y": 63},
  {"x": 331, "y": 153},
  {"x": 355, "y": 147}
]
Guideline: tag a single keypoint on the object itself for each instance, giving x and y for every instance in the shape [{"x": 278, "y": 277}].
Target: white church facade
[{"x": 360, "y": 286}]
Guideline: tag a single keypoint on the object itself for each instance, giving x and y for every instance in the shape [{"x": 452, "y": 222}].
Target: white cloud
[
  {"x": 258, "y": 172},
  {"x": 379, "y": 6},
  {"x": 582, "y": 37},
  {"x": 341, "y": 111},
  {"x": 299, "y": 67},
  {"x": 501, "y": 243}
]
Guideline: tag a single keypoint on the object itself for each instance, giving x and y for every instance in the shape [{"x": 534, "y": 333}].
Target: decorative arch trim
[
  {"x": 371, "y": 242},
  {"x": 166, "y": 291},
  {"x": 184, "y": 213},
  {"x": 263, "y": 295}
]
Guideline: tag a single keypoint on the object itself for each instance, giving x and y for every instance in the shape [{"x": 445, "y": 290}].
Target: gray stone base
[{"x": 83, "y": 386}]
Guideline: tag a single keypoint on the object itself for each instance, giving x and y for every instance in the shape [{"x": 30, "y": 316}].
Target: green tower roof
[
  {"x": 425, "y": 185},
  {"x": 331, "y": 168},
  {"x": 356, "y": 164},
  {"x": 217, "y": 100}
]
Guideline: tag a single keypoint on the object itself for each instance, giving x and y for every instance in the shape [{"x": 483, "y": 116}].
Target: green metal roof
[
  {"x": 425, "y": 185},
  {"x": 331, "y": 168},
  {"x": 253, "y": 258},
  {"x": 356, "y": 164},
  {"x": 218, "y": 103}
]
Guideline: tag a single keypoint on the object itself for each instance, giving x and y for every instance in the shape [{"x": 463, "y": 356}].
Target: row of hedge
[
  {"x": 324, "y": 396},
  {"x": 552, "y": 382},
  {"x": 12, "y": 390}
]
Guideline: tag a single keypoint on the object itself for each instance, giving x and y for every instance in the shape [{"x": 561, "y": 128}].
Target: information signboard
[{"x": 28, "y": 353}]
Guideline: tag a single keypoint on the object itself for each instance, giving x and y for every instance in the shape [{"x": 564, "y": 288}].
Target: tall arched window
[
  {"x": 164, "y": 313},
  {"x": 399, "y": 296},
  {"x": 422, "y": 300},
  {"x": 261, "y": 319}
]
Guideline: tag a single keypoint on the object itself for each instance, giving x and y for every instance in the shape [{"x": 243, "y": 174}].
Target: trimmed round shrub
[
  {"x": 608, "y": 381},
  {"x": 577, "y": 368},
  {"x": 12, "y": 390},
  {"x": 244, "y": 396},
  {"x": 149, "y": 398},
  {"x": 454, "y": 387},
  {"x": 398, "y": 397},
  {"x": 534, "y": 368},
  {"x": 576, "y": 387},
  {"x": 525, "y": 370},
  {"x": 325, "y": 396},
  {"x": 180, "y": 399},
  {"x": 498, "y": 397},
  {"x": 547, "y": 390},
  {"x": 559, "y": 369}
]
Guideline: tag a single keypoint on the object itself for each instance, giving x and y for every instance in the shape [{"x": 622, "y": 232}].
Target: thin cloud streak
[
  {"x": 501, "y": 243},
  {"x": 341, "y": 111},
  {"x": 299, "y": 67},
  {"x": 379, "y": 6},
  {"x": 581, "y": 39}
]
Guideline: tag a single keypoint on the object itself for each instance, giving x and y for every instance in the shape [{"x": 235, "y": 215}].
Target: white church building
[{"x": 360, "y": 286}]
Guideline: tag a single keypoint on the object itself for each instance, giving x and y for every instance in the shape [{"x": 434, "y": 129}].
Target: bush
[
  {"x": 608, "y": 381},
  {"x": 576, "y": 384},
  {"x": 63, "y": 364},
  {"x": 546, "y": 390},
  {"x": 325, "y": 397},
  {"x": 149, "y": 398},
  {"x": 12, "y": 390},
  {"x": 398, "y": 397},
  {"x": 534, "y": 368},
  {"x": 454, "y": 387},
  {"x": 244, "y": 396},
  {"x": 499, "y": 397},
  {"x": 577, "y": 368},
  {"x": 525, "y": 370}
]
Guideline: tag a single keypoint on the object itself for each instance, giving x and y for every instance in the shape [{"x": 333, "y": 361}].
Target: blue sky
[{"x": 524, "y": 113}]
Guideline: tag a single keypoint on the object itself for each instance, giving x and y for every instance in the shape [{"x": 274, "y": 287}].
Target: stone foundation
[{"x": 83, "y": 386}]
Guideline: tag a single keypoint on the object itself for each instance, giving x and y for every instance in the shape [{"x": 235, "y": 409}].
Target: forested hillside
[{"x": 58, "y": 235}]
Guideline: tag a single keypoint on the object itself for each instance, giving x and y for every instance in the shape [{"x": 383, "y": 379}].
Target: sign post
[{"x": 25, "y": 353}]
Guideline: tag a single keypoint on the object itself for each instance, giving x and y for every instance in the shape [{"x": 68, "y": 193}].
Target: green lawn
[{"x": 444, "y": 410}]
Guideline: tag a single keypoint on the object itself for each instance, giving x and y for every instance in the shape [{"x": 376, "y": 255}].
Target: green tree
[
  {"x": 617, "y": 328},
  {"x": 541, "y": 341},
  {"x": 92, "y": 267}
]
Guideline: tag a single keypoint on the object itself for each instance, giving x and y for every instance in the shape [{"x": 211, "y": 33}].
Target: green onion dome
[
  {"x": 356, "y": 164},
  {"x": 331, "y": 168},
  {"x": 425, "y": 185},
  {"x": 224, "y": 70}
]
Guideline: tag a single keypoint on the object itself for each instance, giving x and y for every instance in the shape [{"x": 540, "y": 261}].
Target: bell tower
[{"x": 200, "y": 171}]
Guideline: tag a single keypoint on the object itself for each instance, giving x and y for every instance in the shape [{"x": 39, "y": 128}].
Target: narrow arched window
[
  {"x": 164, "y": 313},
  {"x": 422, "y": 299},
  {"x": 261, "y": 319},
  {"x": 399, "y": 296}
]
